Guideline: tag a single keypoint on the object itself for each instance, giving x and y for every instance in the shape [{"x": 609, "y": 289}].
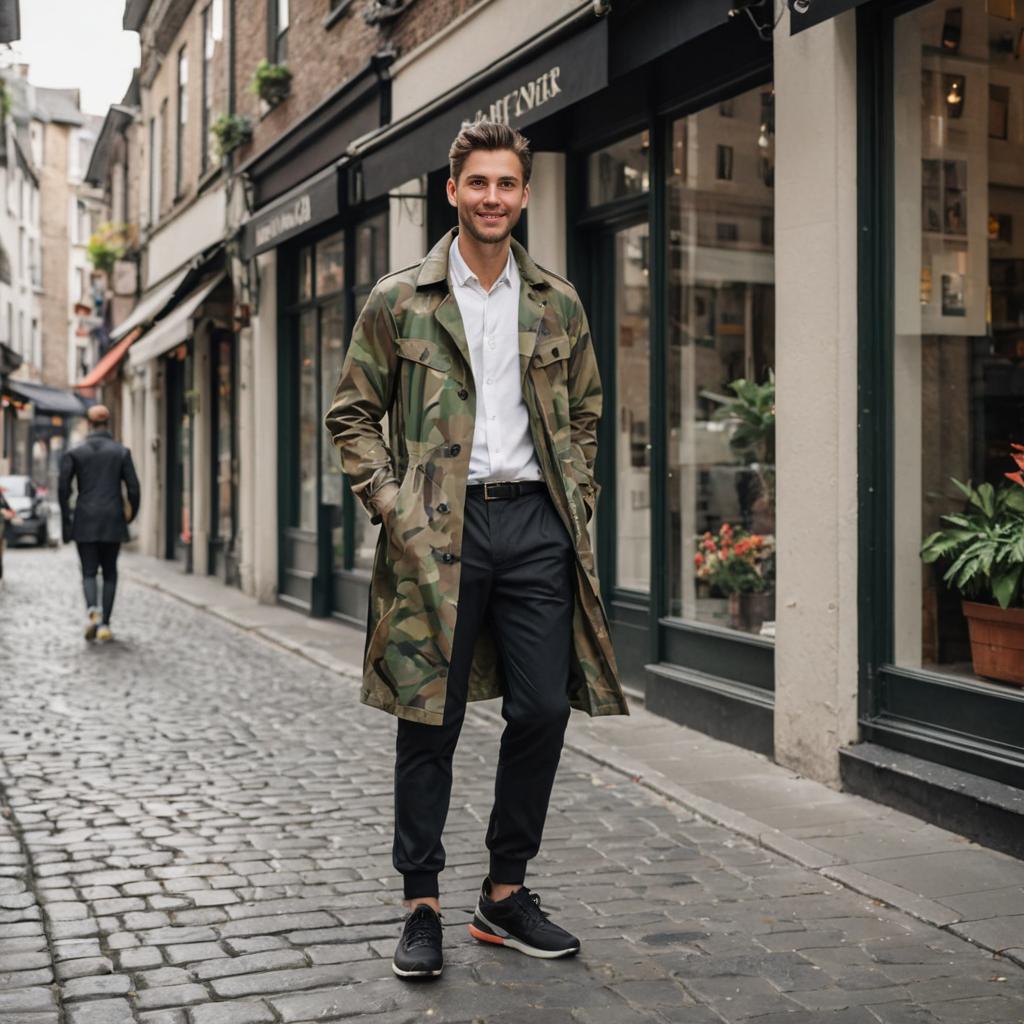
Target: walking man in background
[
  {"x": 98, "y": 523},
  {"x": 483, "y": 582}
]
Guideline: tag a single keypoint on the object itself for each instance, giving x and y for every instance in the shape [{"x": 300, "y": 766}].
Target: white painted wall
[
  {"x": 177, "y": 241},
  {"x": 816, "y": 329},
  {"x": 546, "y": 214}
]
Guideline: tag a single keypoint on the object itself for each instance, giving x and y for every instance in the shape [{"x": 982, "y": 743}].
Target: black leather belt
[{"x": 503, "y": 491}]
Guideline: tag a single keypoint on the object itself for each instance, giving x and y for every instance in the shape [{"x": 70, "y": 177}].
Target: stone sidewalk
[
  {"x": 937, "y": 876},
  {"x": 195, "y": 829}
]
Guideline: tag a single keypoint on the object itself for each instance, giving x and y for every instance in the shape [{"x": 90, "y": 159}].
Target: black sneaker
[
  {"x": 518, "y": 922},
  {"x": 418, "y": 953}
]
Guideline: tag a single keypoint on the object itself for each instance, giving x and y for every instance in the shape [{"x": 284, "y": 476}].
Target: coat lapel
[{"x": 448, "y": 316}]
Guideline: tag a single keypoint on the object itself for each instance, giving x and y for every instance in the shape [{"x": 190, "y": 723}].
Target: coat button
[
  {"x": 463, "y": 394},
  {"x": 455, "y": 449},
  {"x": 554, "y": 352},
  {"x": 448, "y": 558},
  {"x": 442, "y": 507}
]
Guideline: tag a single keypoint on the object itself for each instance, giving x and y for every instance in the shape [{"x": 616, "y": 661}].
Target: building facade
[{"x": 794, "y": 237}]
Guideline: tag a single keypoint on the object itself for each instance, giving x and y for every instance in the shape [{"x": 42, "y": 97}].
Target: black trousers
[
  {"x": 96, "y": 556},
  {"x": 518, "y": 578}
]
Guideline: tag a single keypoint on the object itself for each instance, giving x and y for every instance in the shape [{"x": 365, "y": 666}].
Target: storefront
[
  {"x": 942, "y": 367},
  {"x": 317, "y": 250}
]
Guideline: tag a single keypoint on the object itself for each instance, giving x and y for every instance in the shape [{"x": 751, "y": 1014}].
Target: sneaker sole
[
  {"x": 483, "y": 931},
  {"x": 415, "y": 974}
]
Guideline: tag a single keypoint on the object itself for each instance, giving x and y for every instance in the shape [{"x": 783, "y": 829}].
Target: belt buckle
[{"x": 487, "y": 496}]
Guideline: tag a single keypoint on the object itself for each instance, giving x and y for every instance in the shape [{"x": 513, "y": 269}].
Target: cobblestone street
[{"x": 196, "y": 830}]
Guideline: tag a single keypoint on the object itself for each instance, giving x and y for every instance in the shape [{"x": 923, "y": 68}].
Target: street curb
[{"x": 828, "y": 866}]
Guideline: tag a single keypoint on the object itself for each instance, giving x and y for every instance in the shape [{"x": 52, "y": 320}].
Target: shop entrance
[
  {"x": 178, "y": 543},
  {"x": 621, "y": 327},
  {"x": 224, "y": 461}
]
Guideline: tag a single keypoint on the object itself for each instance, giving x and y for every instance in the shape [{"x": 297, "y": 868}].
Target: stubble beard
[{"x": 467, "y": 224}]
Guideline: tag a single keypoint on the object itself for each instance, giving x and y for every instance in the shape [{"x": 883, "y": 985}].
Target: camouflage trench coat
[{"x": 409, "y": 359}]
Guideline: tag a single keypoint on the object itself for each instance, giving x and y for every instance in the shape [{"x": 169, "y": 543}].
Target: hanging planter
[
  {"x": 271, "y": 82},
  {"x": 231, "y": 131}
]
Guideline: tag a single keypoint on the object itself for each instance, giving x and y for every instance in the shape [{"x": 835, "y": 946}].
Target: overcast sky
[{"x": 77, "y": 44}]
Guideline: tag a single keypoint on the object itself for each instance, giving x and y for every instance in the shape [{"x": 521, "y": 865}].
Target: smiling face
[{"x": 490, "y": 194}]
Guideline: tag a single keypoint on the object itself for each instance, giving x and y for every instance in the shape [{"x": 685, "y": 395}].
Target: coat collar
[{"x": 434, "y": 268}]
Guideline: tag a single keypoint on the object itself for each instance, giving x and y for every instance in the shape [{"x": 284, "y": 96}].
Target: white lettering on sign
[
  {"x": 516, "y": 104},
  {"x": 294, "y": 216}
]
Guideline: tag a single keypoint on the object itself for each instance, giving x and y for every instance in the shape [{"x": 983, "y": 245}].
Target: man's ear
[
  {"x": 451, "y": 190},
  {"x": 526, "y": 196}
]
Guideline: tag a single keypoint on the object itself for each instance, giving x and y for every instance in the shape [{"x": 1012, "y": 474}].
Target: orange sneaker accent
[{"x": 485, "y": 936}]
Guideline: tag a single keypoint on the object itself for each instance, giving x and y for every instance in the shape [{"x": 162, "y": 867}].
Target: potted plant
[
  {"x": 985, "y": 544},
  {"x": 271, "y": 82},
  {"x": 740, "y": 566},
  {"x": 107, "y": 246},
  {"x": 753, "y": 440},
  {"x": 229, "y": 132}
]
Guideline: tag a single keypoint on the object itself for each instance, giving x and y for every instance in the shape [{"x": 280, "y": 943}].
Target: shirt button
[
  {"x": 455, "y": 449},
  {"x": 463, "y": 394}
]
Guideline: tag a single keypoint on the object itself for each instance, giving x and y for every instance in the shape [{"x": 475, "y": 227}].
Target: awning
[
  {"x": 109, "y": 363},
  {"x": 805, "y": 13},
  {"x": 151, "y": 305},
  {"x": 557, "y": 77},
  {"x": 50, "y": 401},
  {"x": 309, "y": 204},
  {"x": 174, "y": 328}
]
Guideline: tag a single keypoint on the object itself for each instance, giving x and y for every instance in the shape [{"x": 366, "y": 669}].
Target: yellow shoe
[
  {"x": 91, "y": 624},
  {"x": 103, "y": 634}
]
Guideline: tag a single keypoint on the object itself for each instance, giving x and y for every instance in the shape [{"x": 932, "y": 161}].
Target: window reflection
[{"x": 721, "y": 354}]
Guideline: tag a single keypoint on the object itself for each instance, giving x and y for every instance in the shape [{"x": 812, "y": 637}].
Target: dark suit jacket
[{"x": 98, "y": 466}]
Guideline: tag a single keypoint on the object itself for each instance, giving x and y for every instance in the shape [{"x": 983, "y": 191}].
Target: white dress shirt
[{"x": 502, "y": 443}]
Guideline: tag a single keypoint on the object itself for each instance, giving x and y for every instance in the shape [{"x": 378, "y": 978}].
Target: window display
[
  {"x": 958, "y": 350},
  {"x": 721, "y": 354}
]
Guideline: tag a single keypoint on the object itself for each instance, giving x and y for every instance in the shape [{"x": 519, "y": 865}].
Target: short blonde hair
[{"x": 489, "y": 135}]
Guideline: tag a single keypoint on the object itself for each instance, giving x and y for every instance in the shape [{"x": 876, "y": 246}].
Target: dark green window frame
[
  {"x": 733, "y": 665},
  {"x": 968, "y": 725}
]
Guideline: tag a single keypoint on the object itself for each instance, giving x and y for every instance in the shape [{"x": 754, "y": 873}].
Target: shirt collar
[{"x": 463, "y": 275}]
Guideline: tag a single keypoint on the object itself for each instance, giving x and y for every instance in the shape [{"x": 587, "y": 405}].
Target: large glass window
[
  {"x": 720, "y": 358},
  {"x": 179, "y": 147},
  {"x": 209, "y": 48},
  {"x": 958, "y": 349},
  {"x": 371, "y": 257}
]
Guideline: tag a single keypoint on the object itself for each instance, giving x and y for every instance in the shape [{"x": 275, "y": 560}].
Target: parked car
[{"x": 30, "y": 507}]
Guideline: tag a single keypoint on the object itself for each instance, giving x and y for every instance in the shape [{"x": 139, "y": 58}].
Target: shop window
[
  {"x": 277, "y": 20},
  {"x": 620, "y": 170},
  {"x": 720, "y": 408},
  {"x": 330, "y": 265},
  {"x": 958, "y": 316},
  {"x": 309, "y": 414},
  {"x": 209, "y": 48}
]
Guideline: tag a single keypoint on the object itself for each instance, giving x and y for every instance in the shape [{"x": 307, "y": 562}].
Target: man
[
  {"x": 99, "y": 522},
  {"x": 483, "y": 582}
]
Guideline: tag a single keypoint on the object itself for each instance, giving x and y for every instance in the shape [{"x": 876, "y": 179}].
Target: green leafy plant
[
  {"x": 985, "y": 542},
  {"x": 271, "y": 82},
  {"x": 229, "y": 132},
  {"x": 753, "y": 409},
  {"x": 107, "y": 246}
]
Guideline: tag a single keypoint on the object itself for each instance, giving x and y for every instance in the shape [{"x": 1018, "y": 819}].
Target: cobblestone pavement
[{"x": 196, "y": 830}]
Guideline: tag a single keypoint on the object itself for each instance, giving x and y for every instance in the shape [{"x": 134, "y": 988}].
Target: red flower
[
  {"x": 698, "y": 559},
  {"x": 726, "y": 530},
  {"x": 709, "y": 543},
  {"x": 1017, "y": 478}
]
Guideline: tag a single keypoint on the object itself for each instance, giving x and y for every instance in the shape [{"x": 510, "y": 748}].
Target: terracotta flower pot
[{"x": 997, "y": 641}]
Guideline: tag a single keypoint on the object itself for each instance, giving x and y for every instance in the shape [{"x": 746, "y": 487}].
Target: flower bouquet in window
[
  {"x": 984, "y": 545},
  {"x": 271, "y": 82},
  {"x": 740, "y": 566}
]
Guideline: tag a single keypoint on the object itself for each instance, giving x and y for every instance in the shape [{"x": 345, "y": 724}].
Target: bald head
[{"x": 99, "y": 415}]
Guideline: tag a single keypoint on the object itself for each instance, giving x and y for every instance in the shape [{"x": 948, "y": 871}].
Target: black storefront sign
[
  {"x": 805, "y": 13},
  {"x": 563, "y": 75},
  {"x": 303, "y": 208}
]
